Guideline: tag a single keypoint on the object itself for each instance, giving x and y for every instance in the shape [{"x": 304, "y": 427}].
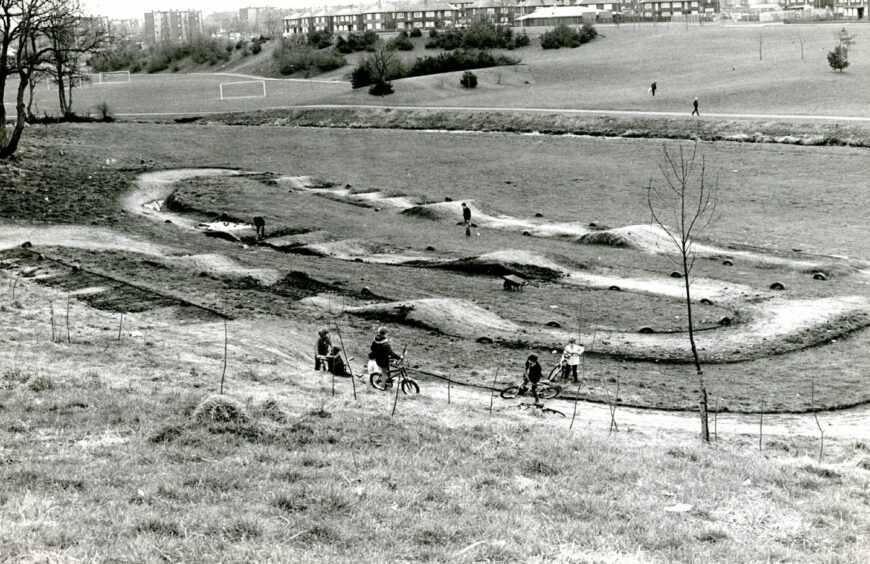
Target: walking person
[
  {"x": 695, "y": 111},
  {"x": 572, "y": 354},
  {"x": 652, "y": 88},
  {"x": 466, "y": 219},
  {"x": 322, "y": 347}
]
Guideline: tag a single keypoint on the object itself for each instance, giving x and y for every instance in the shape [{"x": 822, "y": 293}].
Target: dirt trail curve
[{"x": 154, "y": 187}]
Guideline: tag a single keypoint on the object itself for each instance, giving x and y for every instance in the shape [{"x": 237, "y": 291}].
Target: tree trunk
[
  {"x": 11, "y": 145},
  {"x": 702, "y": 389}
]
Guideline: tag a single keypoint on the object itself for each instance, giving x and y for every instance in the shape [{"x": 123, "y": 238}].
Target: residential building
[
  {"x": 172, "y": 26},
  {"x": 130, "y": 29},
  {"x": 429, "y": 15},
  {"x": 502, "y": 12},
  {"x": 851, "y": 8},
  {"x": 264, "y": 20}
]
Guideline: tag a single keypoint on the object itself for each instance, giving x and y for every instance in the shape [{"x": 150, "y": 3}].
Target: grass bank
[{"x": 556, "y": 124}]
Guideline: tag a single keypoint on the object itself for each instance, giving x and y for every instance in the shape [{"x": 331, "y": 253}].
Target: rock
[
  {"x": 377, "y": 209},
  {"x": 448, "y": 199},
  {"x": 26, "y": 245},
  {"x": 484, "y": 340},
  {"x": 820, "y": 276},
  {"x": 168, "y": 221},
  {"x": 526, "y": 234},
  {"x": 366, "y": 291},
  {"x": 539, "y": 214},
  {"x": 646, "y": 330},
  {"x": 430, "y": 248},
  {"x": 777, "y": 286},
  {"x": 554, "y": 324},
  {"x": 76, "y": 267},
  {"x": 676, "y": 274},
  {"x": 705, "y": 301},
  {"x": 727, "y": 262},
  {"x": 615, "y": 288},
  {"x": 725, "y": 321}
]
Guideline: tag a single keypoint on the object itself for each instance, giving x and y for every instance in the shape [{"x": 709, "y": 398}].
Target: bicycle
[
  {"x": 546, "y": 390},
  {"x": 397, "y": 371}
]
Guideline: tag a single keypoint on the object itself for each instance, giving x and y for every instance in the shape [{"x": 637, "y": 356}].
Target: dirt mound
[
  {"x": 499, "y": 263},
  {"x": 344, "y": 249},
  {"x": 298, "y": 285},
  {"x": 298, "y": 182},
  {"x": 219, "y": 265},
  {"x": 221, "y": 409},
  {"x": 299, "y": 239},
  {"x": 446, "y": 210},
  {"x": 452, "y": 317},
  {"x": 647, "y": 237}
]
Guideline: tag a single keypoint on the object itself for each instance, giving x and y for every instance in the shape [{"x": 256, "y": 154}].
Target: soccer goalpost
[
  {"x": 114, "y": 77},
  {"x": 243, "y": 89}
]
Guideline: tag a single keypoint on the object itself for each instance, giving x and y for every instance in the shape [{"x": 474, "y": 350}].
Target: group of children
[
  {"x": 328, "y": 356},
  {"x": 568, "y": 366}
]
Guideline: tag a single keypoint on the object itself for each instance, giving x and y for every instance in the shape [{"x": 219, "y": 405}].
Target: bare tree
[
  {"x": 384, "y": 65},
  {"x": 760, "y": 39},
  {"x": 688, "y": 203}
]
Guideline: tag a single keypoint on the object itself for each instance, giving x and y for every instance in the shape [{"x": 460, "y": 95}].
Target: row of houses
[{"x": 444, "y": 15}]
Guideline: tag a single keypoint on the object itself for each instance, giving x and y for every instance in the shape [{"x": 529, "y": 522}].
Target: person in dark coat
[
  {"x": 335, "y": 363},
  {"x": 652, "y": 88},
  {"x": 532, "y": 375},
  {"x": 383, "y": 351},
  {"x": 322, "y": 348},
  {"x": 466, "y": 219},
  {"x": 695, "y": 111}
]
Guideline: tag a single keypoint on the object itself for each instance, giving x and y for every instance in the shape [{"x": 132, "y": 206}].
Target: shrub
[
  {"x": 401, "y": 42},
  {"x": 361, "y": 76},
  {"x": 468, "y": 80},
  {"x": 838, "y": 58},
  {"x": 223, "y": 409},
  {"x": 521, "y": 40},
  {"x": 256, "y": 48},
  {"x": 319, "y": 39},
  {"x": 416, "y": 32},
  {"x": 290, "y": 59},
  {"x": 380, "y": 88},
  {"x": 481, "y": 34},
  {"x": 564, "y": 36},
  {"x": 458, "y": 60}
]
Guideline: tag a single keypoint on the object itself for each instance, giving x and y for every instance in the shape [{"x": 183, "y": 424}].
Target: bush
[
  {"x": 380, "y": 88},
  {"x": 401, "y": 43},
  {"x": 357, "y": 42},
  {"x": 361, "y": 76},
  {"x": 468, "y": 80},
  {"x": 121, "y": 55},
  {"x": 319, "y": 39},
  {"x": 458, "y": 60},
  {"x": 481, "y": 34},
  {"x": 256, "y": 48},
  {"x": 288, "y": 58},
  {"x": 564, "y": 36},
  {"x": 416, "y": 32},
  {"x": 838, "y": 58}
]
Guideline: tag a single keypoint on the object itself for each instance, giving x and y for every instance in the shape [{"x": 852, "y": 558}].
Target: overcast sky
[{"x": 116, "y": 9}]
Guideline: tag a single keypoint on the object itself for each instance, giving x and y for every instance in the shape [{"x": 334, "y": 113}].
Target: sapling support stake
[
  {"x": 346, "y": 359},
  {"x": 68, "y": 335},
  {"x": 716, "y": 420},
  {"x": 761, "y": 423},
  {"x": 448, "y": 388},
  {"x": 53, "y": 334},
  {"x": 398, "y": 385},
  {"x": 582, "y": 375},
  {"x": 816, "y": 417},
  {"x": 120, "y": 325},
  {"x": 224, "y": 371},
  {"x": 492, "y": 390}
]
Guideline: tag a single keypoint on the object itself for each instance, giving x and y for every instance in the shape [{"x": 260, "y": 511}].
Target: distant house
[
  {"x": 429, "y": 15},
  {"x": 851, "y": 8},
  {"x": 347, "y": 20},
  {"x": 502, "y": 12},
  {"x": 379, "y": 17},
  {"x": 172, "y": 26},
  {"x": 560, "y": 15},
  {"x": 528, "y": 6}
]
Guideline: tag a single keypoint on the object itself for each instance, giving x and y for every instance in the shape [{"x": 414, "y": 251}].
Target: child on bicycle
[
  {"x": 372, "y": 366},
  {"x": 531, "y": 375}
]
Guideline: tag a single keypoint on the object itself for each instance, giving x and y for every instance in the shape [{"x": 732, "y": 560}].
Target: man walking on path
[
  {"x": 466, "y": 218},
  {"x": 572, "y": 354},
  {"x": 652, "y": 88},
  {"x": 695, "y": 111}
]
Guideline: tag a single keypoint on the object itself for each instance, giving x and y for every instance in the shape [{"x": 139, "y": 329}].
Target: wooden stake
[
  {"x": 68, "y": 336},
  {"x": 492, "y": 390},
  {"x": 716, "y": 420},
  {"x": 224, "y": 371},
  {"x": 53, "y": 334},
  {"x": 816, "y": 417},
  {"x": 448, "y": 388},
  {"x": 120, "y": 324},
  {"x": 761, "y": 424},
  {"x": 346, "y": 359}
]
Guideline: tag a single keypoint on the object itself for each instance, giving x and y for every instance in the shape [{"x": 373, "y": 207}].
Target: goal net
[
  {"x": 243, "y": 89},
  {"x": 114, "y": 77}
]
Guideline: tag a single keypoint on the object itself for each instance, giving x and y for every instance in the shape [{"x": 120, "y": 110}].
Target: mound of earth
[
  {"x": 504, "y": 262},
  {"x": 220, "y": 265},
  {"x": 299, "y": 239},
  {"x": 446, "y": 210},
  {"x": 343, "y": 249},
  {"x": 298, "y": 182},
  {"x": 650, "y": 238},
  {"x": 449, "y": 316}
]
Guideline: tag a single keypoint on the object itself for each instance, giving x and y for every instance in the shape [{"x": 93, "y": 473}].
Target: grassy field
[
  {"x": 103, "y": 460},
  {"x": 718, "y": 64}
]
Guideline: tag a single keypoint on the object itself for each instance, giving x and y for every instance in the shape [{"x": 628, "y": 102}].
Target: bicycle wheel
[
  {"x": 409, "y": 386},
  {"x": 548, "y": 392},
  {"x": 378, "y": 381},
  {"x": 555, "y": 373},
  {"x": 547, "y": 410},
  {"x": 510, "y": 393}
]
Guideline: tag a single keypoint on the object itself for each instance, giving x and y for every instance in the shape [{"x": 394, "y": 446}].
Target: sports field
[{"x": 718, "y": 64}]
